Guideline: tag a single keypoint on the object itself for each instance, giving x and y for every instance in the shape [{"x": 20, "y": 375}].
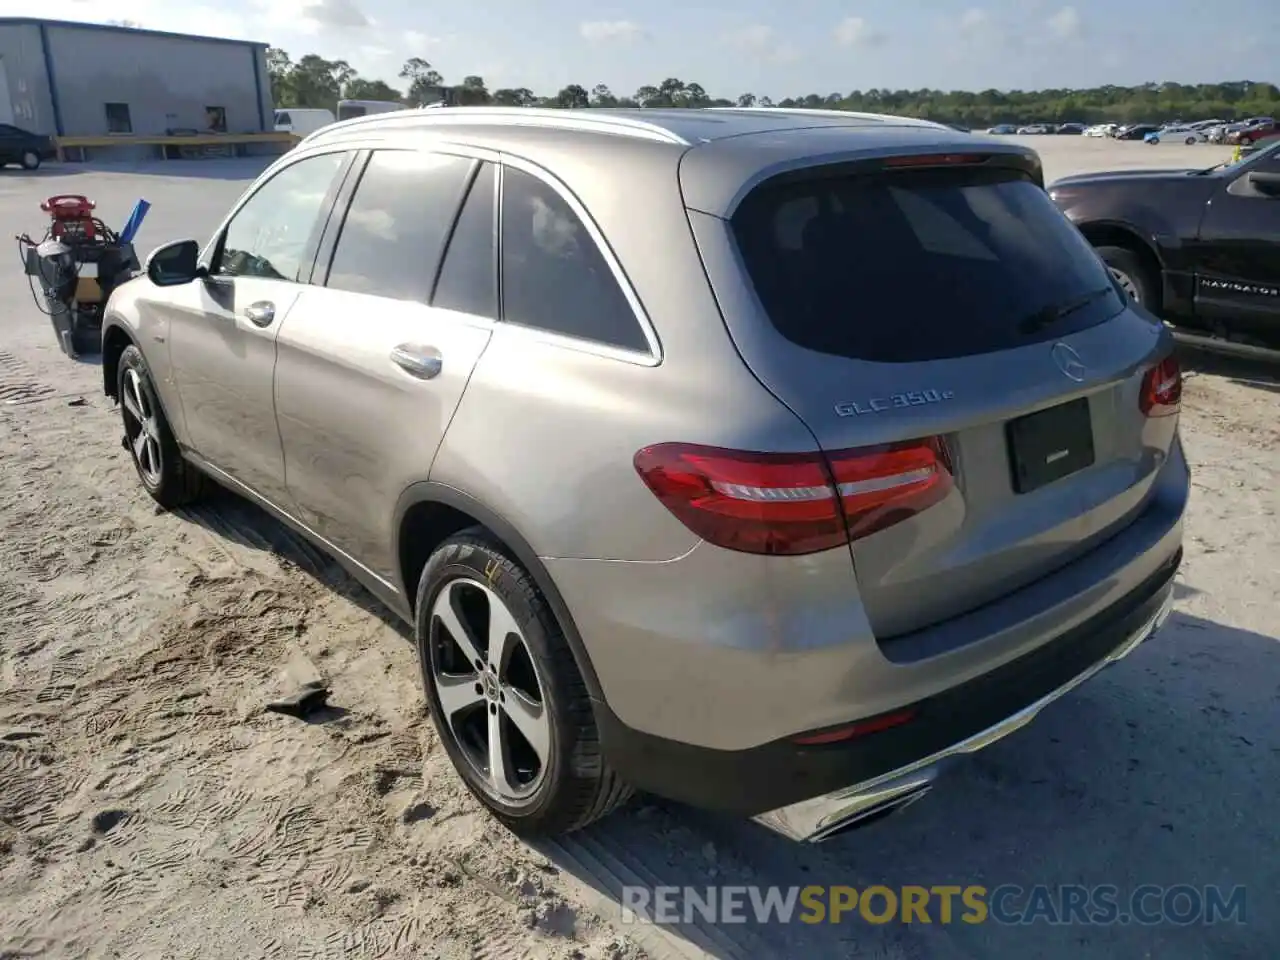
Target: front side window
[
  {"x": 397, "y": 223},
  {"x": 554, "y": 277},
  {"x": 270, "y": 235}
]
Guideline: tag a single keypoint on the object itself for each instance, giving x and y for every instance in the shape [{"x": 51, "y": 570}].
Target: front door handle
[
  {"x": 425, "y": 363},
  {"x": 261, "y": 314}
]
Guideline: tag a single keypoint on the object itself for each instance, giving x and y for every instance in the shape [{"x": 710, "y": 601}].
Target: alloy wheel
[
  {"x": 141, "y": 427},
  {"x": 491, "y": 698},
  {"x": 1126, "y": 284}
]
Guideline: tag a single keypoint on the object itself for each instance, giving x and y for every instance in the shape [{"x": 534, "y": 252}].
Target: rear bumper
[
  {"x": 806, "y": 792},
  {"x": 815, "y": 820}
]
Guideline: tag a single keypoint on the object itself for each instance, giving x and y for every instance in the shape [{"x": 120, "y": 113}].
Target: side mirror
[{"x": 174, "y": 263}]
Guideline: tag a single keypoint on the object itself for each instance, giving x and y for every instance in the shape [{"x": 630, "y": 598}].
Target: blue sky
[{"x": 779, "y": 49}]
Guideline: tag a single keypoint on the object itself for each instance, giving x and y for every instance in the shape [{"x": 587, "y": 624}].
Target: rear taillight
[
  {"x": 1161, "y": 394},
  {"x": 787, "y": 503}
]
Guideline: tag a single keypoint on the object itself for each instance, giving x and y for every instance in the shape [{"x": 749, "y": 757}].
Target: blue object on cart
[{"x": 134, "y": 222}]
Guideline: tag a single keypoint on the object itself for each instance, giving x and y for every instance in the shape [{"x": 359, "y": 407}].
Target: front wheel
[
  {"x": 506, "y": 695},
  {"x": 165, "y": 475},
  {"x": 1132, "y": 275},
  {"x": 30, "y": 160}
]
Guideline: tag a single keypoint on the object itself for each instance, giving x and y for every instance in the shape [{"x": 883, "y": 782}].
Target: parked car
[
  {"x": 1255, "y": 131},
  {"x": 1175, "y": 134},
  {"x": 1101, "y": 130},
  {"x": 1034, "y": 129},
  {"x": 661, "y": 514},
  {"x": 1003, "y": 129},
  {"x": 1068, "y": 129},
  {"x": 1199, "y": 247},
  {"x": 24, "y": 147},
  {"x": 1136, "y": 131}
]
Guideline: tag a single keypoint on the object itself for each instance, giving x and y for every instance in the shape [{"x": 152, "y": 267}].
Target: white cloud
[
  {"x": 419, "y": 40},
  {"x": 856, "y": 32},
  {"x": 610, "y": 31},
  {"x": 975, "y": 18},
  {"x": 339, "y": 14},
  {"x": 1066, "y": 23},
  {"x": 761, "y": 40}
]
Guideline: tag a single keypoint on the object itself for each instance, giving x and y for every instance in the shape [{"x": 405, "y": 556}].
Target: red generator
[{"x": 72, "y": 217}]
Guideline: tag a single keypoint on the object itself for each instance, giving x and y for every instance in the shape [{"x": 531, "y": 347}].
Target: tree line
[{"x": 312, "y": 81}]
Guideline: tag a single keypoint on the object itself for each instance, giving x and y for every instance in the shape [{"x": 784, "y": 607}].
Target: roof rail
[
  {"x": 817, "y": 112},
  {"x": 564, "y": 119}
]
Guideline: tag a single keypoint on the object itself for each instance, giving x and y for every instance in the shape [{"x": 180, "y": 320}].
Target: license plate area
[{"x": 1049, "y": 445}]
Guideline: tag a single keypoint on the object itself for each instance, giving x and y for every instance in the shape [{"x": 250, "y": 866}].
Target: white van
[
  {"x": 359, "y": 108},
  {"x": 301, "y": 121}
]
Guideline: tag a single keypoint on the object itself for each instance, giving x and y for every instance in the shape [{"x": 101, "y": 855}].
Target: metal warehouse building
[{"x": 83, "y": 79}]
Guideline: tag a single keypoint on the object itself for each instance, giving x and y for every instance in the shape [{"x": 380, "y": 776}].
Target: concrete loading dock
[{"x": 124, "y": 93}]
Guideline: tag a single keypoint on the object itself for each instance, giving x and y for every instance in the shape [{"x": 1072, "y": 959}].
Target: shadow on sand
[{"x": 1257, "y": 374}]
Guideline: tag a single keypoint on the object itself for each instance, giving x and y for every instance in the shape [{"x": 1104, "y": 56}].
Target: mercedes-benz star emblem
[{"x": 1068, "y": 362}]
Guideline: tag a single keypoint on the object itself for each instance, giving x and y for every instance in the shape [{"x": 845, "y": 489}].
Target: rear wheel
[
  {"x": 507, "y": 698},
  {"x": 30, "y": 160},
  {"x": 1133, "y": 276}
]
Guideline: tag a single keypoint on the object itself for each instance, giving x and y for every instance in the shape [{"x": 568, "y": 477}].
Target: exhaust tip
[
  {"x": 813, "y": 821},
  {"x": 873, "y": 815}
]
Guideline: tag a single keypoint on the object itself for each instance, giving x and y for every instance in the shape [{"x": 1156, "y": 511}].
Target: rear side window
[
  {"x": 554, "y": 277},
  {"x": 397, "y": 223},
  {"x": 919, "y": 265},
  {"x": 469, "y": 275}
]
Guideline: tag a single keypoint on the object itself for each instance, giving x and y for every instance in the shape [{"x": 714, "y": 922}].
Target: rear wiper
[{"x": 1051, "y": 314}]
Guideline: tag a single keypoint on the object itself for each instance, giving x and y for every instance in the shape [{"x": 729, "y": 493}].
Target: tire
[
  {"x": 30, "y": 160},
  {"x": 165, "y": 475},
  {"x": 1142, "y": 286},
  {"x": 573, "y": 784},
  {"x": 1191, "y": 140}
]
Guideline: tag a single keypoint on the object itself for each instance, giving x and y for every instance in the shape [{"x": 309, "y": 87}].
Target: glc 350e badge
[{"x": 895, "y": 401}]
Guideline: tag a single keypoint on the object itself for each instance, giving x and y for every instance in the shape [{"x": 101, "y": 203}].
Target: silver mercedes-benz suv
[{"x": 764, "y": 460}]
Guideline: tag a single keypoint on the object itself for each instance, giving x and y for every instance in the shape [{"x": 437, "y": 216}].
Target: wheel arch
[
  {"x": 1109, "y": 233},
  {"x": 115, "y": 340},
  {"x": 429, "y": 512}
]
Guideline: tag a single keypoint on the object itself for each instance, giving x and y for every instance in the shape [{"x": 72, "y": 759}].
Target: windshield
[{"x": 918, "y": 265}]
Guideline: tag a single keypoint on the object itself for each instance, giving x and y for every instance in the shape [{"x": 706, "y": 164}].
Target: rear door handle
[
  {"x": 425, "y": 363},
  {"x": 261, "y": 314}
]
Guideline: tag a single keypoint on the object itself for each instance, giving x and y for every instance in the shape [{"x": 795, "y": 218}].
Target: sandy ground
[{"x": 150, "y": 808}]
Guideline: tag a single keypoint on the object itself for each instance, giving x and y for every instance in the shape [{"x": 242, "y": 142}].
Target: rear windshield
[{"x": 919, "y": 265}]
